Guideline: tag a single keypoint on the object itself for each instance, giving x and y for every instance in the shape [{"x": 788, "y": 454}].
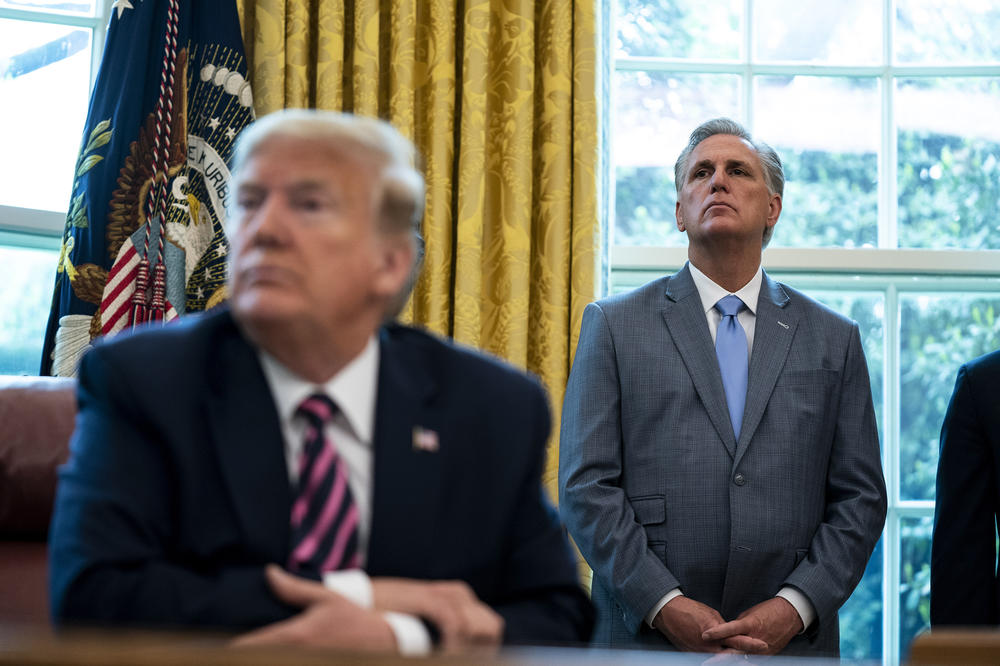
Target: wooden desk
[
  {"x": 39, "y": 647},
  {"x": 970, "y": 647}
]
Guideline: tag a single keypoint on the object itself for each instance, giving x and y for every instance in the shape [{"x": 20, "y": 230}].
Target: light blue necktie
[{"x": 731, "y": 348}]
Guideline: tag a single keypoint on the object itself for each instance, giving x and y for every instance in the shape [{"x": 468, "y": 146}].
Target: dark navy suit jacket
[
  {"x": 176, "y": 493},
  {"x": 964, "y": 585}
]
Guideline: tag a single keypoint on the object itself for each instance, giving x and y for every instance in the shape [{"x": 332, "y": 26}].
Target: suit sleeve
[
  {"x": 592, "y": 502},
  {"x": 541, "y": 599},
  {"x": 855, "y": 496},
  {"x": 963, "y": 553},
  {"x": 110, "y": 556}
]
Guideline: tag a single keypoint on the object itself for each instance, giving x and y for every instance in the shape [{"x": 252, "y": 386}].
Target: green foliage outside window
[
  {"x": 831, "y": 200},
  {"x": 949, "y": 192}
]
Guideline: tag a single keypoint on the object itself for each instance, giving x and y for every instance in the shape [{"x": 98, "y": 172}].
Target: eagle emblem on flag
[{"x": 144, "y": 238}]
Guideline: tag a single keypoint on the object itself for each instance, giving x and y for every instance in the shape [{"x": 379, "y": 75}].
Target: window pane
[
  {"x": 24, "y": 301},
  {"x": 949, "y": 162},
  {"x": 826, "y": 131},
  {"x": 679, "y": 28},
  {"x": 938, "y": 332},
  {"x": 847, "y": 32},
  {"x": 861, "y": 615},
  {"x": 914, "y": 579},
  {"x": 655, "y": 113},
  {"x": 79, "y": 7},
  {"x": 44, "y": 89},
  {"x": 953, "y": 32}
]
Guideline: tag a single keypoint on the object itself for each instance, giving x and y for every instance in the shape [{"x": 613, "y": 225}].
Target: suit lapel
[
  {"x": 685, "y": 318},
  {"x": 773, "y": 333},
  {"x": 407, "y": 480},
  {"x": 247, "y": 437}
]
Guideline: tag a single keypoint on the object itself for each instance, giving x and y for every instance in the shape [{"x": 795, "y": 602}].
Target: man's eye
[
  {"x": 701, "y": 173},
  {"x": 739, "y": 172},
  {"x": 247, "y": 202},
  {"x": 309, "y": 204}
]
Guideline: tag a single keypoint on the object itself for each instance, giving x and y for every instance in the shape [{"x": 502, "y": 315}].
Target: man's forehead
[
  {"x": 335, "y": 151},
  {"x": 726, "y": 146},
  {"x": 248, "y": 180},
  {"x": 291, "y": 162}
]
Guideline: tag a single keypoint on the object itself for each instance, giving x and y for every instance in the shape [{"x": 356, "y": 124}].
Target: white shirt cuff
[
  {"x": 412, "y": 638},
  {"x": 667, "y": 598},
  {"x": 801, "y": 604},
  {"x": 353, "y": 584}
]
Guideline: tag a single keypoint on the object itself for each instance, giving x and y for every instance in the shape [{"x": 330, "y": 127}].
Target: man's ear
[
  {"x": 680, "y": 218},
  {"x": 773, "y": 210},
  {"x": 397, "y": 254}
]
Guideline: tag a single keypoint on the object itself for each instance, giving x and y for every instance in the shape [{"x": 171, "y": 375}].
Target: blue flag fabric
[{"x": 144, "y": 237}]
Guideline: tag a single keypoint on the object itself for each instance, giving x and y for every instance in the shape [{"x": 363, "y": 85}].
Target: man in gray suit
[{"x": 719, "y": 458}]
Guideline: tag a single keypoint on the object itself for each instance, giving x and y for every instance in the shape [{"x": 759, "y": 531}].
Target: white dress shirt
[
  {"x": 710, "y": 293},
  {"x": 353, "y": 390}
]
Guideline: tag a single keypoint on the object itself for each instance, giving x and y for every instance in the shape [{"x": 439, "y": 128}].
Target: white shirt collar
[
  {"x": 710, "y": 292},
  {"x": 353, "y": 389}
]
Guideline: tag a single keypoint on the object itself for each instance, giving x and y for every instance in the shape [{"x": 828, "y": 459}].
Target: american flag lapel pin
[{"x": 425, "y": 440}]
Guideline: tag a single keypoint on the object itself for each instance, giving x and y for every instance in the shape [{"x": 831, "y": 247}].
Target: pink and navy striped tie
[{"x": 324, "y": 517}]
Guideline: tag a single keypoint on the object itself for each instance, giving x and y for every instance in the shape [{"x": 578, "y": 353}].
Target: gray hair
[
  {"x": 774, "y": 174},
  {"x": 401, "y": 205}
]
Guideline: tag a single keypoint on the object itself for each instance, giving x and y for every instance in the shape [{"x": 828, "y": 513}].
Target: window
[
  {"x": 884, "y": 116},
  {"x": 28, "y": 269},
  {"x": 49, "y": 54}
]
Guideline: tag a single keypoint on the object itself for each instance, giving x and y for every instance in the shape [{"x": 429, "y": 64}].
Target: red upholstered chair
[{"x": 37, "y": 415}]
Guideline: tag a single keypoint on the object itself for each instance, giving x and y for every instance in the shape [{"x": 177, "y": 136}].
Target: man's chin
[
  {"x": 260, "y": 310},
  {"x": 724, "y": 228}
]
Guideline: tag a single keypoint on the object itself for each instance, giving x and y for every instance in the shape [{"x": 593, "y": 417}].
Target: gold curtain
[{"x": 499, "y": 97}]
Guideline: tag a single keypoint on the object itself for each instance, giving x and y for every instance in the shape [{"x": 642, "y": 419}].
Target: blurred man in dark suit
[
  {"x": 295, "y": 465},
  {"x": 964, "y": 585}
]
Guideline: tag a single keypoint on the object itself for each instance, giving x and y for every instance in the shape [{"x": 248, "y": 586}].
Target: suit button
[{"x": 740, "y": 480}]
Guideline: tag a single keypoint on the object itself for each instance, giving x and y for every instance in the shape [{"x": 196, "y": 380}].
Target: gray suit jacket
[{"x": 657, "y": 491}]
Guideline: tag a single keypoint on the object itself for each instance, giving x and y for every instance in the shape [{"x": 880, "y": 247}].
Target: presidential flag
[{"x": 144, "y": 239}]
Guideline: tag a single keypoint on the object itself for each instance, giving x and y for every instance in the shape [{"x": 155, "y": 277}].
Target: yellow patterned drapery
[{"x": 499, "y": 97}]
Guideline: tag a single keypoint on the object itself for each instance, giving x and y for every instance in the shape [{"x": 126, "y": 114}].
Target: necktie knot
[
  {"x": 730, "y": 305},
  {"x": 317, "y": 409}
]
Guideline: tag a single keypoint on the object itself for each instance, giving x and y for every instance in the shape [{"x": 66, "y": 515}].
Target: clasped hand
[
  {"x": 450, "y": 605},
  {"x": 330, "y": 620},
  {"x": 762, "y": 629}
]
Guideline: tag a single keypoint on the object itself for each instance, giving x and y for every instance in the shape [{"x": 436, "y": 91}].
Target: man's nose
[
  {"x": 267, "y": 225},
  {"x": 720, "y": 180},
  {"x": 264, "y": 227}
]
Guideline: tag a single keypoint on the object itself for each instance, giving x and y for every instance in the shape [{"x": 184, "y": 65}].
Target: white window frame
[{"x": 887, "y": 269}]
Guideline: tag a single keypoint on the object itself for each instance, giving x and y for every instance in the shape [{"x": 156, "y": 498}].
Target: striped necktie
[{"x": 324, "y": 517}]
